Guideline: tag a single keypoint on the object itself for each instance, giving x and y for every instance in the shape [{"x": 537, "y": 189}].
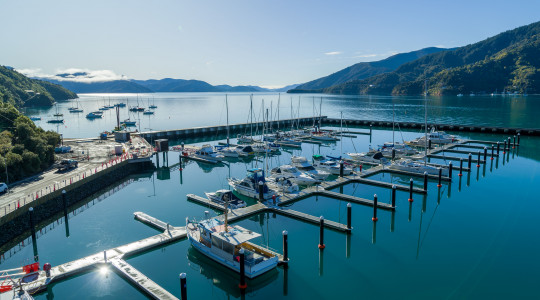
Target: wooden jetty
[{"x": 114, "y": 258}]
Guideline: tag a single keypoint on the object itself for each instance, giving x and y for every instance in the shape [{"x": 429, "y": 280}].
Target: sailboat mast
[
  {"x": 227, "y": 107},
  {"x": 320, "y": 115},
  {"x": 425, "y": 123},
  {"x": 393, "y": 125},
  {"x": 278, "y": 100},
  {"x": 251, "y": 115},
  {"x": 341, "y": 136}
]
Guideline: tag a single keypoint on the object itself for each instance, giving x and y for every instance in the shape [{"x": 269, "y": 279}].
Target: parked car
[
  {"x": 67, "y": 164},
  {"x": 3, "y": 187}
]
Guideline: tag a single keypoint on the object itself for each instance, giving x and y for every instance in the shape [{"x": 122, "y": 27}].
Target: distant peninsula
[{"x": 19, "y": 90}]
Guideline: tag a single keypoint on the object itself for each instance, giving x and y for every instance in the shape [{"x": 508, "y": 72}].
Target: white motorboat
[
  {"x": 148, "y": 112},
  {"x": 207, "y": 152},
  {"x": 370, "y": 157},
  {"x": 223, "y": 244},
  {"x": 245, "y": 150},
  {"x": 292, "y": 173},
  {"x": 128, "y": 122},
  {"x": 245, "y": 139},
  {"x": 436, "y": 137},
  {"x": 331, "y": 166},
  {"x": 223, "y": 196},
  {"x": 283, "y": 184},
  {"x": 249, "y": 186},
  {"x": 417, "y": 167},
  {"x": 402, "y": 149},
  {"x": 94, "y": 115},
  {"x": 323, "y": 136},
  {"x": 260, "y": 148},
  {"x": 303, "y": 165}
]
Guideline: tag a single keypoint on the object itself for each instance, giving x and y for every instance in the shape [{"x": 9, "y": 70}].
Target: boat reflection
[{"x": 224, "y": 278}]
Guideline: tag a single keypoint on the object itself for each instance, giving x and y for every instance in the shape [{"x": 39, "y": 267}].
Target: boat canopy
[{"x": 236, "y": 235}]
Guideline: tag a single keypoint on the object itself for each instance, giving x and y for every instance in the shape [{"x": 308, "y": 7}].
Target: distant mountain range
[
  {"x": 365, "y": 69},
  {"x": 153, "y": 85},
  {"x": 509, "y": 62},
  {"x": 19, "y": 90}
]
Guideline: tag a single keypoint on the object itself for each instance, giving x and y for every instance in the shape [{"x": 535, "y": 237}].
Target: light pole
[{"x": 7, "y": 177}]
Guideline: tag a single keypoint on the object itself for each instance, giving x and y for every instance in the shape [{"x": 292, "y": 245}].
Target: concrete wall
[{"x": 17, "y": 222}]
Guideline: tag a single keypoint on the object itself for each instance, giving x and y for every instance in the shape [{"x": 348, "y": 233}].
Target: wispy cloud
[
  {"x": 367, "y": 55},
  {"x": 333, "y": 53},
  {"x": 75, "y": 74}
]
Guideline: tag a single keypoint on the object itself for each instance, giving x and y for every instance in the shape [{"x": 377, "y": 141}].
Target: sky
[{"x": 237, "y": 42}]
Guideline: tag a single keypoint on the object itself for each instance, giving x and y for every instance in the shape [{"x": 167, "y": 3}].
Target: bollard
[
  {"x": 243, "y": 284},
  {"x": 321, "y": 233},
  {"x": 261, "y": 192},
  {"x": 341, "y": 169},
  {"x": 361, "y": 168},
  {"x": 429, "y": 143},
  {"x": 32, "y": 229},
  {"x": 374, "y": 219},
  {"x": 478, "y": 160},
  {"x": 349, "y": 216},
  {"x": 470, "y": 161},
  {"x": 285, "y": 246},
  {"x": 450, "y": 169},
  {"x": 425, "y": 181},
  {"x": 183, "y": 286},
  {"x": 485, "y": 154},
  {"x": 492, "y": 150},
  {"x": 47, "y": 269},
  {"x": 394, "y": 196},
  {"x": 411, "y": 191},
  {"x": 440, "y": 178},
  {"x": 274, "y": 199},
  {"x": 518, "y": 137}
]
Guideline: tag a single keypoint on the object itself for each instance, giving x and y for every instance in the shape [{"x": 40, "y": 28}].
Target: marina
[{"x": 184, "y": 184}]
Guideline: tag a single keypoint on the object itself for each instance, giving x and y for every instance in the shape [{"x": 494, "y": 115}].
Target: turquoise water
[
  {"x": 473, "y": 238},
  {"x": 183, "y": 110}
]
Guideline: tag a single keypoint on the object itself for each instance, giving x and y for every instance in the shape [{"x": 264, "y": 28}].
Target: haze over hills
[
  {"x": 365, "y": 69},
  {"x": 509, "y": 61},
  {"x": 19, "y": 90},
  {"x": 79, "y": 83}
]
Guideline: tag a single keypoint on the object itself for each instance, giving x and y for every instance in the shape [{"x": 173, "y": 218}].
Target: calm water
[
  {"x": 183, "y": 110},
  {"x": 475, "y": 238}
]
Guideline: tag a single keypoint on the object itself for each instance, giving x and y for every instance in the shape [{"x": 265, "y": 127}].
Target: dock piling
[
  {"x": 470, "y": 161},
  {"x": 32, "y": 228},
  {"x": 411, "y": 188},
  {"x": 183, "y": 286},
  {"x": 261, "y": 192},
  {"x": 370, "y": 129},
  {"x": 485, "y": 154},
  {"x": 285, "y": 247},
  {"x": 492, "y": 150},
  {"x": 394, "y": 196},
  {"x": 440, "y": 178},
  {"x": 349, "y": 216},
  {"x": 374, "y": 219},
  {"x": 478, "y": 160},
  {"x": 425, "y": 181},
  {"x": 514, "y": 146},
  {"x": 341, "y": 169},
  {"x": 504, "y": 147},
  {"x": 518, "y": 137},
  {"x": 393, "y": 153},
  {"x": 460, "y": 167},
  {"x": 498, "y": 148},
  {"x": 243, "y": 284},
  {"x": 105, "y": 256},
  {"x": 429, "y": 144},
  {"x": 321, "y": 233},
  {"x": 450, "y": 169},
  {"x": 509, "y": 143}
]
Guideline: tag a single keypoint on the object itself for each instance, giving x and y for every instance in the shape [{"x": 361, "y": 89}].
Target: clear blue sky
[{"x": 239, "y": 42}]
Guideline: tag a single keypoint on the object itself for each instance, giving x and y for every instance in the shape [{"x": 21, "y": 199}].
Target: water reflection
[{"x": 225, "y": 279}]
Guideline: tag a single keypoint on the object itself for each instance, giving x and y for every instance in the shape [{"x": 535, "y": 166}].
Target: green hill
[
  {"x": 365, "y": 69},
  {"x": 20, "y": 90},
  {"x": 506, "y": 62}
]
